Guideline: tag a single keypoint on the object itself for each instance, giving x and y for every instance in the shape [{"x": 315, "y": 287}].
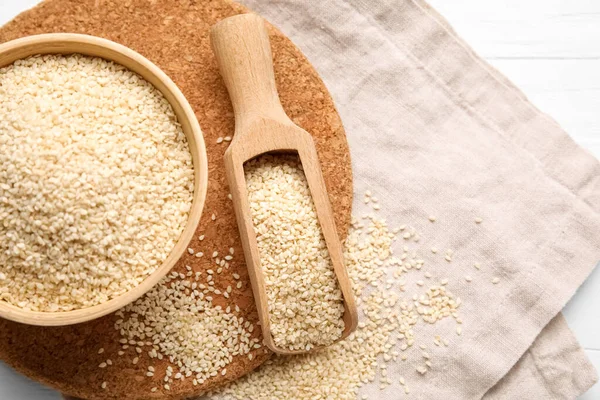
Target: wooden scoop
[{"x": 243, "y": 52}]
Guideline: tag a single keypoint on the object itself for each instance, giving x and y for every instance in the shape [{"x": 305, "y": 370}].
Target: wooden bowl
[{"x": 66, "y": 43}]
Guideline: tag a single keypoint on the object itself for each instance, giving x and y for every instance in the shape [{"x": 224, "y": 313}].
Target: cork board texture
[{"x": 174, "y": 35}]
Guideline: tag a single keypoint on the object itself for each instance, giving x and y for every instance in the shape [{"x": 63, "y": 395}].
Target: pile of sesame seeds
[
  {"x": 178, "y": 321},
  {"x": 96, "y": 181},
  {"x": 304, "y": 299}
]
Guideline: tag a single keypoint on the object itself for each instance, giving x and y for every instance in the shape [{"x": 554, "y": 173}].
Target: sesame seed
[
  {"x": 478, "y": 220},
  {"x": 219, "y": 140},
  {"x": 104, "y": 385},
  {"x": 63, "y": 169},
  {"x": 432, "y": 218},
  {"x": 495, "y": 280},
  {"x": 281, "y": 204}
]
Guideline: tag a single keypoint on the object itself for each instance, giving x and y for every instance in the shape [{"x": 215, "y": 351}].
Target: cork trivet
[{"x": 174, "y": 35}]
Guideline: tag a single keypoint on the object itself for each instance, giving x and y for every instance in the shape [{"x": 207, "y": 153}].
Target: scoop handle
[{"x": 243, "y": 51}]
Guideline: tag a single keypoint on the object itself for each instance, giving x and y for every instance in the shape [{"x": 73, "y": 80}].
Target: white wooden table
[{"x": 551, "y": 50}]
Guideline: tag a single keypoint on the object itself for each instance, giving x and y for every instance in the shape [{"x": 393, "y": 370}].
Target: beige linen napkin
[{"x": 434, "y": 130}]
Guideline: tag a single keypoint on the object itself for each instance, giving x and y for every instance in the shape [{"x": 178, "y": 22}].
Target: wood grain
[{"x": 174, "y": 35}]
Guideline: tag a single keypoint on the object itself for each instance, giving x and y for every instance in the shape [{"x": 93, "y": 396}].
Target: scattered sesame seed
[{"x": 495, "y": 280}]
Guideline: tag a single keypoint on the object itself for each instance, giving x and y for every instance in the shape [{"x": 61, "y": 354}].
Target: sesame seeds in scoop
[{"x": 305, "y": 302}]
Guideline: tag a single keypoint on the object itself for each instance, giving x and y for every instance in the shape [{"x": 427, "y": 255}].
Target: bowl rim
[{"x": 69, "y": 43}]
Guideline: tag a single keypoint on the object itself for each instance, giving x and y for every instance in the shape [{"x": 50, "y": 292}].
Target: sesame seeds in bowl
[{"x": 102, "y": 177}]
